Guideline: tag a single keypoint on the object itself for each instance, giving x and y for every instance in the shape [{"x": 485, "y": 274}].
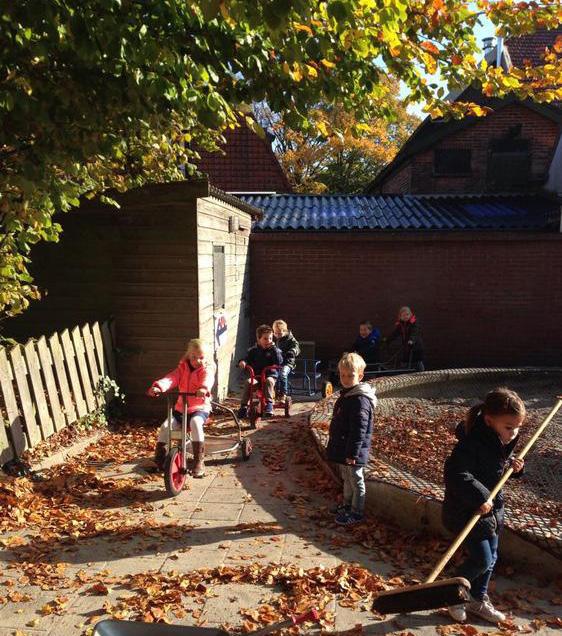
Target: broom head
[{"x": 424, "y": 596}]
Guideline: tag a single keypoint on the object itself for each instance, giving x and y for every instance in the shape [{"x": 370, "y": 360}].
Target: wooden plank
[
  {"x": 14, "y": 422},
  {"x": 40, "y": 397},
  {"x": 58, "y": 361},
  {"x": 54, "y": 399},
  {"x": 69, "y": 355},
  {"x": 108, "y": 348},
  {"x": 100, "y": 354},
  {"x": 92, "y": 363},
  {"x": 20, "y": 374},
  {"x": 86, "y": 380}
]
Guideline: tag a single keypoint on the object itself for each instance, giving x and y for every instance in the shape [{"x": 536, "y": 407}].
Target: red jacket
[{"x": 188, "y": 381}]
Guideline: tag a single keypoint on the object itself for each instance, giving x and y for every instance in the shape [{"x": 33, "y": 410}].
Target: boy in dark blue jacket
[
  {"x": 367, "y": 342},
  {"x": 350, "y": 436},
  {"x": 263, "y": 354}
]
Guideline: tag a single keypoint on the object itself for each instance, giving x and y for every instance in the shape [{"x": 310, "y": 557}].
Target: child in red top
[{"x": 194, "y": 374}]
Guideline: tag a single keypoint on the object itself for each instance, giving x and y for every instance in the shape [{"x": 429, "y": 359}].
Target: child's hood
[{"x": 364, "y": 389}]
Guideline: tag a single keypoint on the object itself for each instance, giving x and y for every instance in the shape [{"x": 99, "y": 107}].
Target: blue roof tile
[{"x": 294, "y": 212}]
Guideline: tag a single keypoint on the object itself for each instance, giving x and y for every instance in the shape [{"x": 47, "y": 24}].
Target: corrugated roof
[{"x": 404, "y": 212}]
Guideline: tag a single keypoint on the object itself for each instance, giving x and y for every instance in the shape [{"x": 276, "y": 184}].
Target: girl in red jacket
[{"x": 195, "y": 373}]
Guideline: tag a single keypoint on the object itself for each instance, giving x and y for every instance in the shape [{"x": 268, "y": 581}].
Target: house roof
[
  {"x": 286, "y": 213},
  {"x": 531, "y": 47},
  {"x": 247, "y": 164},
  {"x": 430, "y": 131}
]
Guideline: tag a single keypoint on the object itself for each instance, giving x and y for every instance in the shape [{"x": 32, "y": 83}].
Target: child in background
[
  {"x": 263, "y": 354},
  {"x": 367, "y": 342},
  {"x": 484, "y": 450},
  {"x": 195, "y": 373},
  {"x": 407, "y": 328},
  {"x": 287, "y": 343},
  {"x": 350, "y": 436}
]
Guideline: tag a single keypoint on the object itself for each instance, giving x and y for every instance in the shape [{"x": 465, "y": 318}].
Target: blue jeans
[
  {"x": 478, "y": 567},
  {"x": 353, "y": 487},
  {"x": 283, "y": 381}
]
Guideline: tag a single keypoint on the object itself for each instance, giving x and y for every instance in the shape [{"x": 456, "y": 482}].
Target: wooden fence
[{"x": 50, "y": 383}]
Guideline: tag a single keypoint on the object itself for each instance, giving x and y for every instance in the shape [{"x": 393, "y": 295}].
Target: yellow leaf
[
  {"x": 328, "y": 64},
  {"x": 311, "y": 71},
  {"x": 303, "y": 27}
]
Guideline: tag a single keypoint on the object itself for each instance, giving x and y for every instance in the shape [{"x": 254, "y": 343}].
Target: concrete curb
[{"x": 413, "y": 511}]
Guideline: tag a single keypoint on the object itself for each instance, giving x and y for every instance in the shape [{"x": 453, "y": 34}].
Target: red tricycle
[{"x": 258, "y": 401}]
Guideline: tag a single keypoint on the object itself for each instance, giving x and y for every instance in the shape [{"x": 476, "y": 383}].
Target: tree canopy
[
  {"x": 99, "y": 95},
  {"x": 344, "y": 161}
]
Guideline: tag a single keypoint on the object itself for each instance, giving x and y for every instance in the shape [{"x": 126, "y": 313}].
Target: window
[
  {"x": 219, "y": 297},
  {"x": 451, "y": 162},
  {"x": 509, "y": 164}
]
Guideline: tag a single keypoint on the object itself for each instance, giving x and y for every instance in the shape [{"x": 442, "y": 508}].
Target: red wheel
[
  {"x": 288, "y": 403},
  {"x": 246, "y": 449},
  {"x": 254, "y": 416},
  {"x": 174, "y": 473}
]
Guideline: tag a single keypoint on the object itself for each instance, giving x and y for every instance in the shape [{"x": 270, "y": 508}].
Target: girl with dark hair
[{"x": 486, "y": 441}]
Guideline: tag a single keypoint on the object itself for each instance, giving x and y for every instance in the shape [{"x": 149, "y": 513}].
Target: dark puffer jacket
[
  {"x": 368, "y": 347},
  {"x": 289, "y": 348},
  {"x": 259, "y": 358},
  {"x": 352, "y": 425},
  {"x": 472, "y": 470}
]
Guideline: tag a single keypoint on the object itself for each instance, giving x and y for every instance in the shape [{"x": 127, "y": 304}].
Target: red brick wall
[
  {"x": 541, "y": 131},
  {"x": 399, "y": 182},
  {"x": 481, "y": 299},
  {"x": 248, "y": 165}
]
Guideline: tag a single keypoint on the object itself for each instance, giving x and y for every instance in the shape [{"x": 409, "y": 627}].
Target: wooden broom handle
[{"x": 474, "y": 520}]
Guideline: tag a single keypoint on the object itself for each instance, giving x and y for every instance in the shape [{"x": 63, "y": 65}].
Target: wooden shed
[{"x": 170, "y": 265}]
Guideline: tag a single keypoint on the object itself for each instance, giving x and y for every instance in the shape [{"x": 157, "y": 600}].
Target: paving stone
[{"x": 213, "y": 511}]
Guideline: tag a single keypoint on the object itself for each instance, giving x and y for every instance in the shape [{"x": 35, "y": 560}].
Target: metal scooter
[{"x": 175, "y": 465}]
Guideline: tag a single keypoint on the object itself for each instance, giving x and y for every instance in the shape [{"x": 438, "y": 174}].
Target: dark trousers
[{"x": 478, "y": 567}]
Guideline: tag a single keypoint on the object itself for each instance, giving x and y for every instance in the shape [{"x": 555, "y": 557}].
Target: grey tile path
[{"x": 256, "y": 512}]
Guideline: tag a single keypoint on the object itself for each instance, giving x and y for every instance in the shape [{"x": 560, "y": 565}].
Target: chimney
[
  {"x": 499, "y": 51},
  {"x": 487, "y": 44}
]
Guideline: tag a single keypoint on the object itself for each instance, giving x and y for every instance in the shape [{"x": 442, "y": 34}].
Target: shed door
[{"x": 219, "y": 299}]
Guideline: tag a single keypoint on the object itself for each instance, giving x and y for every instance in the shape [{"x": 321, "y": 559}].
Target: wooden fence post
[
  {"x": 47, "y": 367},
  {"x": 83, "y": 368},
  {"x": 20, "y": 372},
  {"x": 42, "y": 410},
  {"x": 58, "y": 361},
  {"x": 92, "y": 364},
  {"x": 73, "y": 373},
  {"x": 14, "y": 421}
]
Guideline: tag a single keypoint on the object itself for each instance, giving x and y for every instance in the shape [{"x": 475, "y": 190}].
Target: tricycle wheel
[
  {"x": 174, "y": 473},
  {"x": 288, "y": 403},
  {"x": 253, "y": 416},
  {"x": 246, "y": 449},
  {"x": 327, "y": 388}
]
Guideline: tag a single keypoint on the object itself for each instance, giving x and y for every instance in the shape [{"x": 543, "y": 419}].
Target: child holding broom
[{"x": 482, "y": 454}]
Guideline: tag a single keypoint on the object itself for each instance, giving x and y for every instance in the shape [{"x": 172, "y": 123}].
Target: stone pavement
[{"x": 243, "y": 516}]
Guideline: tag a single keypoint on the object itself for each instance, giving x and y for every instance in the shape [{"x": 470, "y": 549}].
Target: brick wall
[
  {"x": 418, "y": 177},
  {"x": 399, "y": 182},
  {"x": 481, "y": 299}
]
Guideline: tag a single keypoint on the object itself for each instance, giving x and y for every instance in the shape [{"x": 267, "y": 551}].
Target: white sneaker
[
  {"x": 457, "y": 613},
  {"x": 485, "y": 610}
]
